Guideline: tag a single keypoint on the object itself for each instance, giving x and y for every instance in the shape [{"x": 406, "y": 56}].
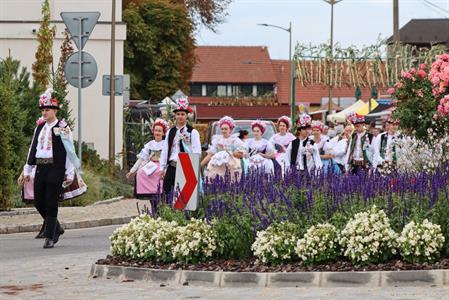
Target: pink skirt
[{"x": 147, "y": 185}]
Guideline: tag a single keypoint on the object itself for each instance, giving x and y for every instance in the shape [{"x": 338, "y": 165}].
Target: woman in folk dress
[
  {"x": 325, "y": 147},
  {"x": 261, "y": 152},
  {"x": 225, "y": 153},
  {"x": 147, "y": 168},
  {"x": 281, "y": 140}
]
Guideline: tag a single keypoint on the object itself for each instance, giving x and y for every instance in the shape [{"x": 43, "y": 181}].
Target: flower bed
[{"x": 366, "y": 238}]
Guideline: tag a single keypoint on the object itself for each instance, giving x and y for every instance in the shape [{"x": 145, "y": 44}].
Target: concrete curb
[
  {"x": 294, "y": 279},
  {"x": 19, "y": 211},
  {"x": 67, "y": 225},
  {"x": 109, "y": 201},
  {"x": 32, "y": 210}
]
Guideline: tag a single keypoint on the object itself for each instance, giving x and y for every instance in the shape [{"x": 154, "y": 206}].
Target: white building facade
[{"x": 19, "y": 23}]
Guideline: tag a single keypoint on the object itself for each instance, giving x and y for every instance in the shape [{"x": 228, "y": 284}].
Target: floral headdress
[
  {"x": 259, "y": 124},
  {"x": 318, "y": 125},
  {"x": 162, "y": 123},
  {"x": 355, "y": 118},
  {"x": 227, "y": 120},
  {"x": 304, "y": 121},
  {"x": 46, "y": 100},
  {"x": 183, "y": 105},
  {"x": 286, "y": 120}
]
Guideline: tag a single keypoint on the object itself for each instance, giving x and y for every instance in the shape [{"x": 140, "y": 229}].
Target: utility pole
[
  {"x": 292, "y": 77},
  {"x": 396, "y": 37},
  {"x": 112, "y": 89},
  {"x": 292, "y": 91},
  {"x": 331, "y": 58}
]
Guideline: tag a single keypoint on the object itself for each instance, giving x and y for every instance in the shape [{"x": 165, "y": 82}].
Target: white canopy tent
[{"x": 340, "y": 117}]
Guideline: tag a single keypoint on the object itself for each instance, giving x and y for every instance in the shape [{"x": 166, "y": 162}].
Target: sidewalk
[{"x": 110, "y": 212}]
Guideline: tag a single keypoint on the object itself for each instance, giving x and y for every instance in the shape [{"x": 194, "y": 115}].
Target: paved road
[{"x": 27, "y": 271}]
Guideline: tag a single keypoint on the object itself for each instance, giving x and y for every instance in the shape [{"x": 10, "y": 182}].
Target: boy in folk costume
[
  {"x": 53, "y": 155},
  {"x": 385, "y": 145},
  {"x": 181, "y": 138},
  {"x": 303, "y": 152},
  {"x": 360, "y": 153}
]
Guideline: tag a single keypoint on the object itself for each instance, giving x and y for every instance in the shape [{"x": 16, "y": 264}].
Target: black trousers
[
  {"x": 47, "y": 190},
  {"x": 169, "y": 179}
]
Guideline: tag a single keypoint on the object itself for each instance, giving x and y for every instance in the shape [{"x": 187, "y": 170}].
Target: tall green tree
[
  {"x": 208, "y": 13},
  {"x": 158, "y": 49},
  {"x": 44, "y": 56},
  {"x": 14, "y": 86},
  {"x": 41, "y": 69}
]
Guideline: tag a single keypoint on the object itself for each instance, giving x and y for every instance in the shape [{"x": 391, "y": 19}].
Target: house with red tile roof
[{"x": 245, "y": 83}]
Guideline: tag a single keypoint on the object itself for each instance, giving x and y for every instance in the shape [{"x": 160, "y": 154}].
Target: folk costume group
[
  {"x": 51, "y": 173},
  {"x": 310, "y": 150}
]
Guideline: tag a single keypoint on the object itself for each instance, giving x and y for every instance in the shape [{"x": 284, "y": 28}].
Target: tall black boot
[
  {"x": 50, "y": 230},
  {"x": 40, "y": 235}
]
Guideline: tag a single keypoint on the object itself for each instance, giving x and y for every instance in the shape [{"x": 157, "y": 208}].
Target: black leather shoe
[
  {"x": 48, "y": 243},
  {"x": 40, "y": 235},
  {"x": 56, "y": 236},
  {"x": 59, "y": 231}
]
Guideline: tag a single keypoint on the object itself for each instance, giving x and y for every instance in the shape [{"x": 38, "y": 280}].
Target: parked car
[{"x": 214, "y": 129}]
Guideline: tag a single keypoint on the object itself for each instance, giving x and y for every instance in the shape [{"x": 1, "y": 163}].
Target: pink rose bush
[
  {"x": 439, "y": 75},
  {"x": 422, "y": 96}
]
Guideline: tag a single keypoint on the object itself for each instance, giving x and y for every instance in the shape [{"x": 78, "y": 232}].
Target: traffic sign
[
  {"x": 89, "y": 69},
  {"x": 80, "y": 25},
  {"x": 106, "y": 91},
  {"x": 187, "y": 182}
]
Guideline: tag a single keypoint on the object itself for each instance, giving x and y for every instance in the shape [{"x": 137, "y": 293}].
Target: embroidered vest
[
  {"x": 59, "y": 153},
  {"x": 295, "y": 149},
  {"x": 171, "y": 138},
  {"x": 362, "y": 144}
]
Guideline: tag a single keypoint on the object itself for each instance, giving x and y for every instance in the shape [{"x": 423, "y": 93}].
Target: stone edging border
[
  {"x": 32, "y": 210},
  {"x": 19, "y": 211},
  {"x": 108, "y": 201},
  {"x": 293, "y": 279},
  {"x": 67, "y": 225}
]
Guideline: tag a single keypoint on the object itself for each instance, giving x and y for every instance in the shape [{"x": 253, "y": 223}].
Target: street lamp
[
  {"x": 332, "y": 3},
  {"x": 292, "y": 66}
]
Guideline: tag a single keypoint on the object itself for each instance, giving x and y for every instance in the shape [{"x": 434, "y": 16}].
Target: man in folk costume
[
  {"x": 302, "y": 152},
  {"x": 360, "y": 153},
  {"x": 385, "y": 145},
  {"x": 54, "y": 167},
  {"x": 180, "y": 138}
]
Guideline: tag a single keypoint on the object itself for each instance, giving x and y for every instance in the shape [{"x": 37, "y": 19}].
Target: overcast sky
[{"x": 356, "y": 22}]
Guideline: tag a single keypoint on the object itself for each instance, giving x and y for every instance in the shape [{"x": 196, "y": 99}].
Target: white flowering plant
[
  {"x": 276, "y": 244},
  {"x": 368, "y": 237},
  {"x": 421, "y": 241},
  {"x": 416, "y": 155},
  {"x": 319, "y": 244},
  {"x": 196, "y": 242},
  {"x": 145, "y": 238}
]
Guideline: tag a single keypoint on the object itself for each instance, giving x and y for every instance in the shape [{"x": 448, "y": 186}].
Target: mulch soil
[{"x": 254, "y": 266}]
